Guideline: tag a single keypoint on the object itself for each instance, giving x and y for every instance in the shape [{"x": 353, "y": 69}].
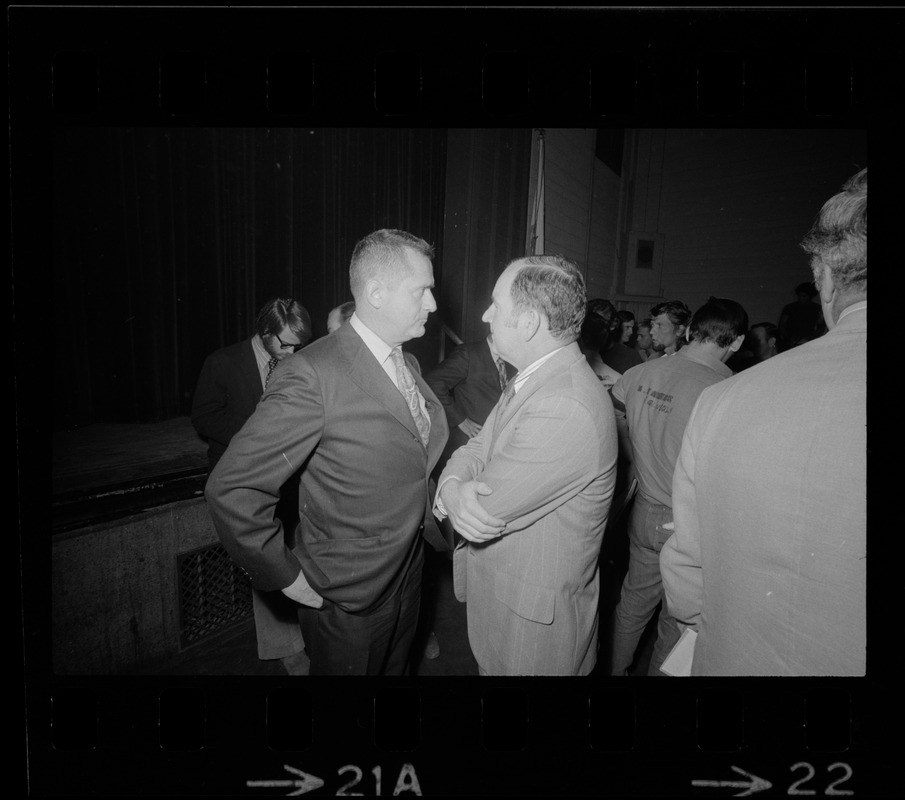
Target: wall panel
[{"x": 732, "y": 206}]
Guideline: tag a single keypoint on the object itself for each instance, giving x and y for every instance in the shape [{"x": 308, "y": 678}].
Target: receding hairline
[
  {"x": 389, "y": 265},
  {"x": 381, "y": 255},
  {"x": 522, "y": 263}
]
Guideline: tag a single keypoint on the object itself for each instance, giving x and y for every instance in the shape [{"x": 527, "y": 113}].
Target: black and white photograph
[{"x": 492, "y": 372}]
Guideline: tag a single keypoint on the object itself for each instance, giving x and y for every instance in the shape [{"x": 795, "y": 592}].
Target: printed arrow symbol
[
  {"x": 752, "y": 785},
  {"x": 307, "y": 783}
]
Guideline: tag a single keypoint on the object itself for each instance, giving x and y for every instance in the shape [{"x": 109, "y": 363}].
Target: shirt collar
[
  {"x": 859, "y": 306},
  {"x": 375, "y": 344},
  {"x": 257, "y": 344},
  {"x": 702, "y": 357},
  {"x": 525, "y": 373}
]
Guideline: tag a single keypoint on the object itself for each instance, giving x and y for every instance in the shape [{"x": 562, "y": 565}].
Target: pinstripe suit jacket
[{"x": 550, "y": 458}]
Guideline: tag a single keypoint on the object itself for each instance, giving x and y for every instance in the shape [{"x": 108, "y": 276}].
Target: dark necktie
[
  {"x": 270, "y": 365},
  {"x": 501, "y": 369},
  {"x": 410, "y": 393}
]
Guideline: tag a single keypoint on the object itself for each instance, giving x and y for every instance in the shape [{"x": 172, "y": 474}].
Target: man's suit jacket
[
  {"x": 364, "y": 493},
  {"x": 768, "y": 558},
  {"x": 467, "y": 383},
  {"x": 228, "y": 389},
  {"x": 550, "y": 457}
]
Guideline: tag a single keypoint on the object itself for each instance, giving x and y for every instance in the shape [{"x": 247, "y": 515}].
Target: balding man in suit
[
  {"x": 531, "y": 492},
  {"x": 768, "y": 560},
  {"x": 352, "y": 409}
]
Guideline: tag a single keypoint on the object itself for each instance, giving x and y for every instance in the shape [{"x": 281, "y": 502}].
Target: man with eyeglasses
[
  {"x": 768, "y": 562},
  {"x": 231, "y": 382}
]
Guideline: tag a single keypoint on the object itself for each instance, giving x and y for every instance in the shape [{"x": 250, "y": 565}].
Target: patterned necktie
[
  {"x": 410, "y": 393},
  {"x": 508, "y": 392},
  {"x": 507, "y": 395},
  {"x": 270, "y": 365},
  {"x": 501, "y": 369}
]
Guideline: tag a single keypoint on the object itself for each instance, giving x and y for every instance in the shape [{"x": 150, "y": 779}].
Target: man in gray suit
[
  {"x": 531, "y": 492},
  {"x": 768, "y": 560}
]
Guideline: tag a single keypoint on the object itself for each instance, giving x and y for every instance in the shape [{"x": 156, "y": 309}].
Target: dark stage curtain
[
  {"x": 167, "y": 241},
  {"x": 486, "y": 219}
]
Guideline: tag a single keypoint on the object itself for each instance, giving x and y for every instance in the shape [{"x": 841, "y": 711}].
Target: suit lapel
[
  {"x": 563, "y": 360},
  {"x": 371, "y": 378},
  {"x": 248, "y": 366},
  {"x": 437, "y": 417}
]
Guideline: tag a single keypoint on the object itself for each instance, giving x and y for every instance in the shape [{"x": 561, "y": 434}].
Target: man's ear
[
  {"x": 827, "y": 286},
  {"x": 828, "y": 296},
  {"x": 737, "y": 343},
  {"x": 686, "y": 333},
  {"x": 529, "y": 323},
  {"x": 374, "y": 292}
]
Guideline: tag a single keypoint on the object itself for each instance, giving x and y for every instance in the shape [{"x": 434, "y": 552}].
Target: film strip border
[
  {"x": 438, "y": 66},
  {"x": 800, "y": 67},
  {"x": 489, "y": 738},
  {"x": 175, "y": 86}
]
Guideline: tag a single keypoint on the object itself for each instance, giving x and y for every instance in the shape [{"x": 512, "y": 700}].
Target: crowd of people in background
[
  {"x": 799, "y": 322},
  {"x": 514, "y": 454}
]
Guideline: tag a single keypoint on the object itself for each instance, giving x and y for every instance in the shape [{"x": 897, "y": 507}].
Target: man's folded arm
[{"x": 543, "y": 464}]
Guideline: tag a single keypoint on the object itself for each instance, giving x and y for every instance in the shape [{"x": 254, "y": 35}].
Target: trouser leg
[
  {"x": 379, "y": 643},
  {"x": 642, "y": 587},
  {"x": 276, "y": 625},
  {"x": 668, "y": 633}
]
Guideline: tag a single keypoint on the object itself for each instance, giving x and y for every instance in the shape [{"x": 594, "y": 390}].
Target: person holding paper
[
  {"x": 768, "y": 559},
  {"x": 653, "y": 402}
]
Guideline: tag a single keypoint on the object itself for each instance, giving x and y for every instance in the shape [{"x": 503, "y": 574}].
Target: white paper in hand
[{"x": 678, "y": 662}]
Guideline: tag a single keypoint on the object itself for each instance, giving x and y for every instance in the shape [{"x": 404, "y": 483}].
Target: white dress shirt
[{"x": 381, "y": 351}]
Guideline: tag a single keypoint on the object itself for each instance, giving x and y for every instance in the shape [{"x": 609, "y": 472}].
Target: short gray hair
[
  {"x": 382, "y": 255},
  {"x": 553, "y": 286},
  {"x": 838, "y": 238}
]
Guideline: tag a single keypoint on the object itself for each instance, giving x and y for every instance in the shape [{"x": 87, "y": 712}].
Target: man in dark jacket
[{"x": 231, "y": 382}]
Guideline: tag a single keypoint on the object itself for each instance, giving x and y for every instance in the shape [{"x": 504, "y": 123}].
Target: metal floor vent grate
[{"x": 214, "y": 595}]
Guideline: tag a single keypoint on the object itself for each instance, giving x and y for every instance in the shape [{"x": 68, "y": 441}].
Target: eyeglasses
[{"x": 286, "y": 345}]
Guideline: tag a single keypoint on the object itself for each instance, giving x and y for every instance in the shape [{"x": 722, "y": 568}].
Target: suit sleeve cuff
[
  {"x": 439, "y": 508},
  {"x": 299, "y": 584},
  {"x": 454, "y": 416}
]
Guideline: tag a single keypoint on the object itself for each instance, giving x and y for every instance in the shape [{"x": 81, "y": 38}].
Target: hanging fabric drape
[
  {"x": 166, "y": 242},
  {"x": 535, "y": 243}
]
